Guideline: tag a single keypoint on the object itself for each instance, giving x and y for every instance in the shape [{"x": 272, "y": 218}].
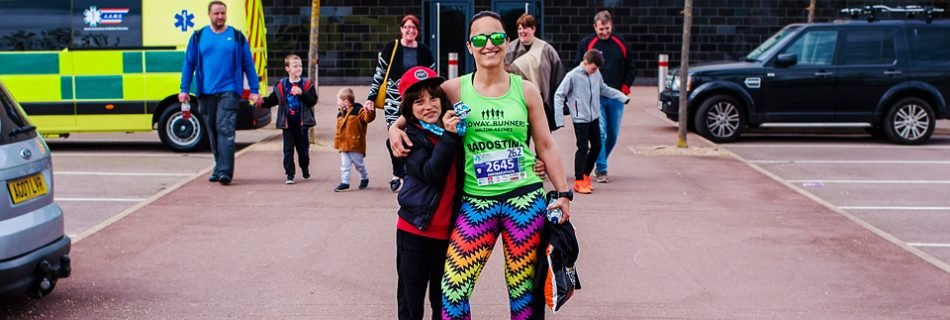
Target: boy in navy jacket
[{"x": 295, "y": 97}]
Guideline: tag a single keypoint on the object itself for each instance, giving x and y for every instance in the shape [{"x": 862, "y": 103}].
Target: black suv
[{"x": 890, "y": 77}]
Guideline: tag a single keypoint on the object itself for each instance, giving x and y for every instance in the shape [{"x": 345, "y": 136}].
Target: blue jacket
[
  {"x": 193, "y": 63},
  {"x": 426, "y": 169}
]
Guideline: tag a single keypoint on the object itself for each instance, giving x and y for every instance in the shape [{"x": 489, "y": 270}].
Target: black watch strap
[{"x": 569, "y": 194}]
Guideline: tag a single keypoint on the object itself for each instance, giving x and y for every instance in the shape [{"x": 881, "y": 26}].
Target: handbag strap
[{"x": 390, "y": 66}]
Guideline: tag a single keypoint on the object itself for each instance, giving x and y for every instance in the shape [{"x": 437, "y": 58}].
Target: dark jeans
[
  {"x": 220, "y": 117},
  {"x": 588, "y": 147},
  {"x": 296, "y": 137},
  {"x": 399, "y": 164},
  {"x": 419, "y": 264}
]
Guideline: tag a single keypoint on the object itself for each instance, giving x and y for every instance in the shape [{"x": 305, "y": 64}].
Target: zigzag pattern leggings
[{"x": 519, "y": 220}]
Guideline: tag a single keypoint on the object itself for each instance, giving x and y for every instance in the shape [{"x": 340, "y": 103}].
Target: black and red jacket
[
  {"x": 279, "y": 98},
  {"x": 619, "y": 69}
]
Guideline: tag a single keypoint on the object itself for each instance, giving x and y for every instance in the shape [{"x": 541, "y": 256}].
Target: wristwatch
[{"x": 569, "y": 194}]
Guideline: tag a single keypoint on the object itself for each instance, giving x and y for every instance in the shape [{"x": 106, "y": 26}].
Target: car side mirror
[{"x": 786, "y": 60}]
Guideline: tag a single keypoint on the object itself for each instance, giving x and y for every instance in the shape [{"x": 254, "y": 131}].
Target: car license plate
[{"x": 27, "y": 188}]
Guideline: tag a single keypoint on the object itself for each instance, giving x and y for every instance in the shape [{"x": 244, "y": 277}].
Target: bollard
[
  {"x": 453, "y": 65},
  {"x": 662, "y": 67}
]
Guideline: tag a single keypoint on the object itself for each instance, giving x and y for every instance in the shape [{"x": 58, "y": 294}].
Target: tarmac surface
[{"x": 676, "y": 234}]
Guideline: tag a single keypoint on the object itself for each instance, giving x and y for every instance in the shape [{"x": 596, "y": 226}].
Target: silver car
[{"x": 34, "y": 251}]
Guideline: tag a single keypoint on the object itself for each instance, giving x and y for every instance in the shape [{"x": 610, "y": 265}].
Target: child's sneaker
[
  {"x": 587, "y": 182},
  {"x": 306, "y": 175},
  {"x": 364, "y": 183},
  {"x": 394, "y": 184},
  {"x": 579, "y": 187},
  {"x": 342, "y": 187},
  {"x": 290, "y": 180}
]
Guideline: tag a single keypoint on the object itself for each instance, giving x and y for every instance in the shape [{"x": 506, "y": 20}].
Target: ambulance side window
[
  {"x": 34, "y": 25},
  {"x": 107, "y": 24}
]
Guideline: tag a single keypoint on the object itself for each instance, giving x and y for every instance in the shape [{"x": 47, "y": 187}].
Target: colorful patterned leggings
[{"x": 519, "y": 219}]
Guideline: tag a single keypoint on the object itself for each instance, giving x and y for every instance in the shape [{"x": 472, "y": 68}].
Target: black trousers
[
  {"x": 296, "y": 138},
  {"x": 399, "y": 164},
  {"x": 419, "y": 264},
  {"x": 588, "y": 147}
]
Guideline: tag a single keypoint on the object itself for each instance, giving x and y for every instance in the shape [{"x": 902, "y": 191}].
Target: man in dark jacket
[{"x": 618, "y": 72}]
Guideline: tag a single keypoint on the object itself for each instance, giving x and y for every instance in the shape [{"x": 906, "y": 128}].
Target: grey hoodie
[{"x": 581, "y": 92}]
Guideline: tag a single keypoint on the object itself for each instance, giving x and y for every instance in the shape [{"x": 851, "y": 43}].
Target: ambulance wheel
[{"x": 181, "y": 135}]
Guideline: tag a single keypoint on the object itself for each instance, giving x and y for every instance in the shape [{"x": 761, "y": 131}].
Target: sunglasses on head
[{"x": 481, "y": 40}]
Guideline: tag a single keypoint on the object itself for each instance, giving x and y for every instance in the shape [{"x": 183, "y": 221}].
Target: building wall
[{"x": 352, "y": 31}]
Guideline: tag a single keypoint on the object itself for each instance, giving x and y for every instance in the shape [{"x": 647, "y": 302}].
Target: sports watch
[{"x": 569, "y": 194}]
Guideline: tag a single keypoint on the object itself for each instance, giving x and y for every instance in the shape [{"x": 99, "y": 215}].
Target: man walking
[
  {"x": 219, "y": 57},
  {"x": 618, "y": 72}
]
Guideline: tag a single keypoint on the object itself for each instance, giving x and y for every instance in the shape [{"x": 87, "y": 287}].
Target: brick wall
[{"x": 351, "y": 31}]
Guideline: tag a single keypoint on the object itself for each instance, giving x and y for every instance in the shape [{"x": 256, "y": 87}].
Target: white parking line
[
  {"x": 134, "y": 155},
  {"x": 129, "y": 174},
  {"x": 99, "y": 199},
  {"x": 873, "y": 181},
  {"x": 850, "y": 161},
  {"x": 929, "y": 245},
  {"x": 896, "y": 208}
]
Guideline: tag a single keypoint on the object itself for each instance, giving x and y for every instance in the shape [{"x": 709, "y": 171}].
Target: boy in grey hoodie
[{"x": 581, "y": 91}]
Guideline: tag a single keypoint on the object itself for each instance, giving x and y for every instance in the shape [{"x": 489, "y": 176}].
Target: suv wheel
[
  {"x": 181, "y": 135},
  {"x": 909, "y": 121},
  {"x": 720, "y": 118}
]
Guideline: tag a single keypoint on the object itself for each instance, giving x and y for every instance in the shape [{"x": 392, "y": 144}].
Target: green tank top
[{"x": 497, "y": 157}]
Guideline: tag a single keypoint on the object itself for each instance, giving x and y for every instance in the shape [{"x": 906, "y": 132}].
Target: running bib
[{"x": 499, "y": 166}]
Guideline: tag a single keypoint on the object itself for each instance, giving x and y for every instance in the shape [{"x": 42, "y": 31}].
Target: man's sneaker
[
  {"x": 602, "y": 177},
  {"x": 342, "y": 187},
  {"x": 214, "y": 178},
  {"x": 364, "y": 183},
  {"x": 579, "y": 186},
  {"x": 306, "y": 175},
  {"x": 394, "y": 184},
  {"x": 224, "y": 180},
  {"x": 290, "y": 180}
]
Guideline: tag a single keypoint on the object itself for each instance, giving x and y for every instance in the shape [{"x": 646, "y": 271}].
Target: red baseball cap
[{"x": 417, "y": 75}]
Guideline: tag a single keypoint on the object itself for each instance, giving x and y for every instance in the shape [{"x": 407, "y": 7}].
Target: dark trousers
[
  {"x": 295, "y": 137},
  {"x": 399, "y": 164},
  {"x": 419, "y": 264},
  {"x": 220, "y": 117},
  {"x": 588, "y": 147}
]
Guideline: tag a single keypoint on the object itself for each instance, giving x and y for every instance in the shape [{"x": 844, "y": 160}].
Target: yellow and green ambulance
[{"x": 115, "y": 65}]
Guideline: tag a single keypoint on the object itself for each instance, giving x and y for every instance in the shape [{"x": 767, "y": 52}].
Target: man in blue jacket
[
  {"x": 219, "y": 57},
  {"x": 618, "y": 71}
]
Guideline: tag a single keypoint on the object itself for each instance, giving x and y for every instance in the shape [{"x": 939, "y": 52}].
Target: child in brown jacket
[{"x": 350, "y": 138}]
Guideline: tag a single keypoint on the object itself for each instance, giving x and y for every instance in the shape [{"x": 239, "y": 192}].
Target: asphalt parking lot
[
  {"x": 101, "y": 177},
  {"x": 900, "y": 190}
]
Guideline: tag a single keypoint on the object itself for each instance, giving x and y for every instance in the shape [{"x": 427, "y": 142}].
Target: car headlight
[{"x": 675, "y": 83}]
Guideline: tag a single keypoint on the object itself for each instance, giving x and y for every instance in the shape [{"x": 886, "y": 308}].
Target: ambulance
[{"x": 115, "y": 65}]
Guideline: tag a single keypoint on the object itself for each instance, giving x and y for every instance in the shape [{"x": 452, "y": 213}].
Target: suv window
[
  {"x": 12, "y": 120},
  {"x": 815, "y": 48},
  {"x": 929, "y": 43},
  {"x": 863, "y": 47},
  {"x": 756, "y": 54},
  {"x": 34, "y": 25}
]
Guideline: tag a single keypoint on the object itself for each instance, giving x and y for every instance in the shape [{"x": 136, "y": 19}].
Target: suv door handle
[
  {"x": 824, "y": 74},
  {"x": 892, "y": 73}
]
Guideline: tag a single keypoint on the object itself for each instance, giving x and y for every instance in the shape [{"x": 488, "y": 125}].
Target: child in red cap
[{"x": 427, "y": 198}]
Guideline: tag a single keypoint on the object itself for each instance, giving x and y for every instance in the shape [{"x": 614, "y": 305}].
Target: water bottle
[
  {"x": 553, "y": 215},
  {"x": 186, "y": 110}
]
